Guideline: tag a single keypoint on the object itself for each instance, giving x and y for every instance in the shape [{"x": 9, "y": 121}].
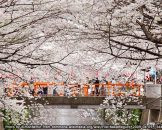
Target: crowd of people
[
  {"x": 104, "y": 87},
  {"x": 91, "y": 87}
]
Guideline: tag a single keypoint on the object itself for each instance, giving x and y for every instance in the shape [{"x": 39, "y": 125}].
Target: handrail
[
  {"x": 112, "y": 88},
  {"x": 48, "y": 84}
]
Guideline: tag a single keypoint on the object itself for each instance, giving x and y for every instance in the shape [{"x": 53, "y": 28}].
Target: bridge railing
[
  {"x": 102, "y": 89},
  {"x": 117, "y": 89}
]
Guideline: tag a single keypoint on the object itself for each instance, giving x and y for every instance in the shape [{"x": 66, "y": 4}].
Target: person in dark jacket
[
  {"x": 45, "y": 90},
  {"x": 97, "y": 86},
  {"x": 55, "y": 91}
]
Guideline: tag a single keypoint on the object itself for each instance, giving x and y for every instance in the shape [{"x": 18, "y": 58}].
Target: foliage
[
  {"x": 118, "y": 115},
  {"x": 13, "y": 118},
  {"x": 136, "y": 116}
]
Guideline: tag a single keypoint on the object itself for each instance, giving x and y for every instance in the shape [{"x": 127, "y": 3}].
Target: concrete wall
[
  {"x": 68, "y": 101},
  {"x": 71, "y": 101},
  {"x": 153, "y": 103},
  {"x": 153, "y": 91},
  {"x": 153, "y": 96},
  {"x": 151, "y": 115}
]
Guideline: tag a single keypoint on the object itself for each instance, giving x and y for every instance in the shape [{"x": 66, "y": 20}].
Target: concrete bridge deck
[{"x": 93, "y": 102}]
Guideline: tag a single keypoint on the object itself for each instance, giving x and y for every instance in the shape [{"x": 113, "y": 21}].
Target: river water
[{"x": 50, "y": 115}]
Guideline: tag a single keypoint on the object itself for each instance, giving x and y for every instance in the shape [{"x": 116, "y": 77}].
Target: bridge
[
  {"x": 83, "y": 95},
  {"x": 150, "y": 103},
  {"x": 80, "y": 97}
]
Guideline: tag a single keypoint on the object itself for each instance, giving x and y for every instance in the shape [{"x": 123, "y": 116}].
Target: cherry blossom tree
[
  {"x": 118, "y": 31},
  {"x": 45, "y": 38},
  {"x": 28, "y": 36},
  {"x": 129, "y": 29},
  {"x": 31, "y": 30}
]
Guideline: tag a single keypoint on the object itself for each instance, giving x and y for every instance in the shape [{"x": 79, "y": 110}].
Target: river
[{"x": 50, "y": 115}]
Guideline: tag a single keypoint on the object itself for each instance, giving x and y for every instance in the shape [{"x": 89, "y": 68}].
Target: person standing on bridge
[
  {"x": 113, "y": 88},
  {"x": 97, "y": 82},
  {"x": 67, "y": 90},
  {"x": 40, "y": 91},
  {"x": 45, "y": 90},
  {"x": 92, "y": 83},
  {"x": 153, "y": 73},
  {"x": 31, "y": 89},
  {"x": 88, "y": 85},
  {"x": 55, "y": 91},
  {"x": 103, "y": 89}
]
